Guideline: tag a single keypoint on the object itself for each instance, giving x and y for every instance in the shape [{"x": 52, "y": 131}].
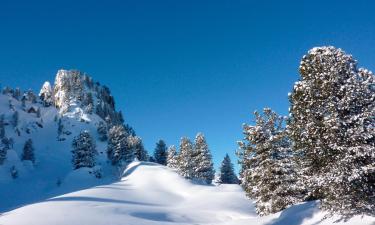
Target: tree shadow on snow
[
  {"x": 295, "y": 215},
  {"x": 96, "y": 199}
]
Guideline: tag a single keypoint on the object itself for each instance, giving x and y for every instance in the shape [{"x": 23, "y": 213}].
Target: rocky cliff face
[{"x": 76, "y": 92}]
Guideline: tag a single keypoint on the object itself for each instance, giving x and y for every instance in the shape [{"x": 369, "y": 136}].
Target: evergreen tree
[
  {"x": 227, "y": 175},
  {"x": 102, "y": 131},
  {"x": 139, "y": 150},
  {"x": 60, "y": 127},
  {"x": 160, "y": 153},
  {"x": 38, "y": 114},
  {"x": 185, "y": 158},
  {"x": 3, "y": 154},
  {"x": 15, "y": 118},
  {"x": 2, "y": 127},
  {"x": 172, "y": 159},
  {"x": 119, "y": 150},
  {"x": 269, "y": 176},
  {"x": 203, "y": 168},
  {"x": 84, "y": 150},
  {"x": 331, "y": 126},
  {"x": 28, "y": 151}
]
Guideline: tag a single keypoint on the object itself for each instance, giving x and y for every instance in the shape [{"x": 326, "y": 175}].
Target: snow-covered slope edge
[{"x": 153, "y": 194}]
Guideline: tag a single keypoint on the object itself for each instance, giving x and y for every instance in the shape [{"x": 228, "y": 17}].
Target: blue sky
[{"x": 181, "y": 67}]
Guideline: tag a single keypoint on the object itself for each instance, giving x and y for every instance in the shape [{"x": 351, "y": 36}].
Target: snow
[
  {"x": 53, "y": 157},
  {"x": 150, "y": 194}
]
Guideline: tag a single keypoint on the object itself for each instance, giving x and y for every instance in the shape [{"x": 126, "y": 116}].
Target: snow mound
[{"x": 152, "y": 194}]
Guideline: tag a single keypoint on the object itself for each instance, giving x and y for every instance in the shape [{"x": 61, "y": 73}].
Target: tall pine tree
[
  {"x": 185, "y": 158},
  {"x": 172, "y": 159},
  {"x": 119, "y": 149},
  {"x": 332, "y": 117},
  {"x": 84, "y": 150},
  {"x": 268, "y": 175},
  {"x": 28, "y": 151},
  {"x": 160, "y": 153},
  {"x": 203, "y": 168},
  {"x": 227, "y": 174}
]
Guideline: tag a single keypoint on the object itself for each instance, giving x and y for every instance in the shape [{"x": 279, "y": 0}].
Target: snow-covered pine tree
[
  {"x": 139, "y": 150},
  {"x": 185, "y": 158},
  {"x": 203, "y": 167},
  {"x": 160, "y": 153},
  {"x": 3, "y": 141},
  {"x": 119, "y": 150},
  {"x": 17, "y": 93},
  {"x": 227, "y": 174},
  {"x": 46, "y": 94},
  {"x": 84, "y": 150},
  {"x": 102, "y": 131},
  {"x": 172, "y": 159},
  {"x": 15, "y": 118},
  {"x": 2, "y": 126},
  {"x": 332, "y": 127},
  {"x": 28, "y": 151},
  {"x": 269, "y": 177},
  {"x": 3, "y": 153}
]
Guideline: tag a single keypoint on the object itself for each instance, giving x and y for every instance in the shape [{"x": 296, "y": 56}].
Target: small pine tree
[
  {"x": 227, "y": 174},
  {"x": 119, "y": 149},
  {"x": 15, "y": 118},
  {"x": 28, "y": 151},
  {"x": 84, "y": 150},
  {"x": 269, "y": 176},
  {"x": 203, "y": 169},
  {"x": 3, "y": 154},
  {"x": 185, "y": 158},
  {"x": 60, "y": 127},
  {"x": 102, "y": 131},
  {"x": 160, "y": 153},
  {"x": 14, "y": 172},
  {"x": 139, "y": 150},
  {"x": 172, "y": 159},
  {"x": 2, "y": 127},
  {"x": 38, "y": 114}
]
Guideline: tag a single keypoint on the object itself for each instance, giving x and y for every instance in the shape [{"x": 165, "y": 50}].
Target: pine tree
[
  {"x": 160, "y": 153},
  {"x": 332, "y": 117},
  {"x": 60, "y": 127},
  {"x": 28, "y": 151},
  {"x": 38, "y": 114},
  {"x": 3, "y": 154},
  {"x": 2, "y": 127},
  {"x": 185, "y": 158},
  {"x": 102, "y": 131},
  {"x": 203, "y": 168},
  {"x": 84, "y": 150},
  {"x": 15, "y": 118},
  {"x": 269, "y": 176},
  {"x": 227, "y": 174},
  {"x": 172, "y": 159},
  {"x": 119, "y": 150},
  {"x": 139, "y": 150}
]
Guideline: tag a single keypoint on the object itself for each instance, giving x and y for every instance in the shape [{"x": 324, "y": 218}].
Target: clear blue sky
[{"x": 180, "y": 67}]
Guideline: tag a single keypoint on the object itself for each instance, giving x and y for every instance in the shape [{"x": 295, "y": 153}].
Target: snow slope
[
  {"x": 150, "y": 194},
  {"x": 52, "y": 173}
]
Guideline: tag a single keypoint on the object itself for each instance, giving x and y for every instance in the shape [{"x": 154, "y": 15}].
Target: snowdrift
[{"x": 152, "y": 194}]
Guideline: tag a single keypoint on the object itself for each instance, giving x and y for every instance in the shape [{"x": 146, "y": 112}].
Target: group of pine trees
[
  {"x": 325, "y": 148},
  {"x": 194, "y": 161}
]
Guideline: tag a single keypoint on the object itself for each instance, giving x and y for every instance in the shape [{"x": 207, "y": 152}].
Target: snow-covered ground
[{"x": 152, "y": 194}]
